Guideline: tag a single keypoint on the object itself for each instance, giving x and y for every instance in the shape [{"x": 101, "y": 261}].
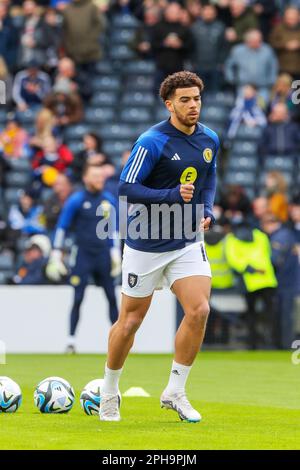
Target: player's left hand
[
  {"x": 205, "y": 224},
  {"x": 116, "y": 262}
]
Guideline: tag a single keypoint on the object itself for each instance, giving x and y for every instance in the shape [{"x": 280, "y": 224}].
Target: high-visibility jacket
[
  {"x": 222, "y": 275},
  {"x": 247, "y": 256}
]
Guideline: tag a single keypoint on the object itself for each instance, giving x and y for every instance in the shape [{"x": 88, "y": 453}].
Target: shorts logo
[
  {"x": 132, "y": 280},
  {"x": 189, "y": 175},
  {"x": 207, "y": 155}
]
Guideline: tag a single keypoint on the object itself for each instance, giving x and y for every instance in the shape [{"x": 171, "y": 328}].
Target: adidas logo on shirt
[{"x": 176, "y": 157}]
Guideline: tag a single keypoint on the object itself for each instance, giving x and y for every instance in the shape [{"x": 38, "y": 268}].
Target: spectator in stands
[
  {"x": 26, "y": 216},
  {"x": 260, "y": 207},
  {"x": 8, "y": 38},
  {"x": 224, "y": 13},
  {"x": 52, "y": 37},
  {"x": 13, "y": 139},
  {"x": 265, "y": 10},
  {"x": 286, "y": 264},
  {"x": 52, "y": 159},
  {"x": 282, "y": 92},
  {"x": 30, "y": 87},
  {"x": 67, "y": 108},
  {"x": 45, "y": 123},
  {"x": 4, "y": 168},
  {"x": 62, "y": 189},
  {"x": 194, "y": 8},
  {"x": 235, "y": 203},
  {"x": 248, "y": 253},
  {"x": 65, "y": 78},
  {"x": 172, "y": 43},
  {"x": 275, "y": 190},
  {"x": 8, "y": 237},
  {"x": 7, "y": 79},
  {"x": 121, "y": 7},
  {"x": 243, "y": 19},
  {"x": 35, "y": 257},
  {"x": 285, "y": 39},
  {"x": 281, "y": 136},
  {"x": 294, "y": 211},
  {"x": 142, "y": 42},
  {"x": 208, "y": 33},
  {"x": 252, "y": 62},
  {"x": 32, "y": 46},
  {"x": 294, "y": 224},
  {"x": 82, "y": 25},
  {"x": 247, "y": 111},
  {"x": 92, "y": 145}
]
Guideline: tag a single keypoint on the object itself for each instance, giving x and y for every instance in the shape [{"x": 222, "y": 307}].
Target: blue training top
[
  {"x": 83, "y": 211},
  {"x": 162, "y": 158}
]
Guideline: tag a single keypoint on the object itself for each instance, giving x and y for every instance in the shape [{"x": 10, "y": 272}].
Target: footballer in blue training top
[{"x": 172, "y": 164}]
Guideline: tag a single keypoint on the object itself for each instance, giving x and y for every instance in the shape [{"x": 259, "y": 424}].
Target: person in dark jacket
[
  {"x": 280, "y": 136},
  {"x": 209, "y": 38},
  {"x": 142, "y": 41},
  {"x": 294, "y": 224},
  {"x": 62, "y": 189},
  {"x": 51, "y": 38},
  {"x": 92, "y": 144},
  {"x": 8, "y": 38},
  {"x": 243, "y": 19},
  {"x": 172, "y": 43},
  {"x": 32, "y": 39},
  {"x": 285, "y": 261},
  {"x": 35, "y": 258},
  {"x": 266, "y": 11}
]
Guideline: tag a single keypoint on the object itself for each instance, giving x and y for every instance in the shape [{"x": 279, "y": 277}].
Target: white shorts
[{"x": 143, "y": 272}]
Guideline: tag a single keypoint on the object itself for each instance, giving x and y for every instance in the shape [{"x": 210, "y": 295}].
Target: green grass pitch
[{"x": 248, "y": 400}]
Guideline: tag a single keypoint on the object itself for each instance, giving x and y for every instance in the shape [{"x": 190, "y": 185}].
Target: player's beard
[{"x": 185, "y": 120}]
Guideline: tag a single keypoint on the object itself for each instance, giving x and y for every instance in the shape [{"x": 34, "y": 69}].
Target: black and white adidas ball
[
  {"x": 54, "y": 395},
  {"x": 10, "y": 395}
]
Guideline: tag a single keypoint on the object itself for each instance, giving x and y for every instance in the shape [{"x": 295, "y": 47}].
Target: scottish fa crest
[
  {"x": 132, "y": 280},
  {"x": 207, "y": 155}
]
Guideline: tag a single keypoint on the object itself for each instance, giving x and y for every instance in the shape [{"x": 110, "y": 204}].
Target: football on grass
[
  {"x": 10, "y": 395},
  {"x": 54, "y": 395}
]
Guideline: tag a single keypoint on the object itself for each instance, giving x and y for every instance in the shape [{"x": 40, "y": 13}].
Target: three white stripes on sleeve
[{"x": 136, "y": 165}]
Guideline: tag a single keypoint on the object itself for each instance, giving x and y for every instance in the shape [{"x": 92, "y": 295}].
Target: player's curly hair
[{"x": 182, "y": 79}]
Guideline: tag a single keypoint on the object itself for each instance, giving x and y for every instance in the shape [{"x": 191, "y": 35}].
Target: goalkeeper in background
[{"x": 91, "y": 256}]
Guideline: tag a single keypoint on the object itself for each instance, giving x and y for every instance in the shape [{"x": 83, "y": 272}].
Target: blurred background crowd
[{"x": 81, "y": 83}]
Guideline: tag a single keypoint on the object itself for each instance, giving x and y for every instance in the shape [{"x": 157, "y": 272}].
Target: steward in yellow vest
[
  {"x": 248, "y": 252},
  {"x": 222, "y": 275}
]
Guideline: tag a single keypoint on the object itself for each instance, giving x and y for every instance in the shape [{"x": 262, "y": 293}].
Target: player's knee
[
  {"x": 197, "y": 316},
  {"x": 131, "y": 325}
]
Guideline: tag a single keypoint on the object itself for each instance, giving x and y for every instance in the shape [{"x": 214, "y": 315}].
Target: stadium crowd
[{"x": 81, "y": 83}]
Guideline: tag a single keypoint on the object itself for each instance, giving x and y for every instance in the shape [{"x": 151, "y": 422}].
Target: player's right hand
[
  {"x": 55, "y": 269},
  {"x": 187, "y": 192}
]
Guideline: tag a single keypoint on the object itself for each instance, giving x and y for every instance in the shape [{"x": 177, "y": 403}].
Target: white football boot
[
  {"x": 109, "y": 407},
  {"x": 179, "y": 402}
]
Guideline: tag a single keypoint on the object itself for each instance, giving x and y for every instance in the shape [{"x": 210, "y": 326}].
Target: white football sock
[
  {"x": 178, "y": 377},
  {"x": 111, "y": 380},
  {"x": 71, "y": 341}
]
